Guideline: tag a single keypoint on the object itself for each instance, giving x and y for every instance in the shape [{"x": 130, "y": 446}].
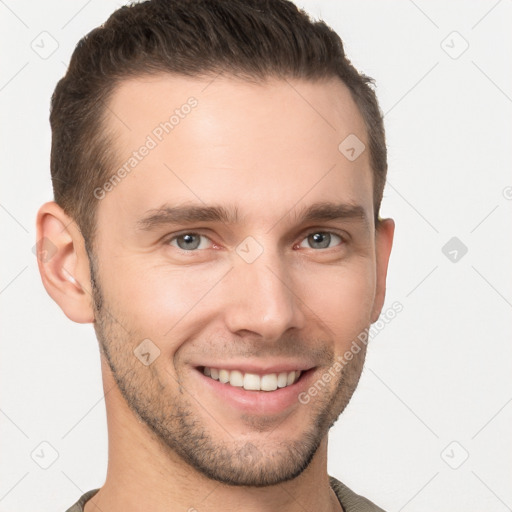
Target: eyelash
[{"x": 168, "y": 240}]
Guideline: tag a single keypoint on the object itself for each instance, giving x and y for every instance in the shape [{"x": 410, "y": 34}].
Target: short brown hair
[{"x": 252, "y": 39}]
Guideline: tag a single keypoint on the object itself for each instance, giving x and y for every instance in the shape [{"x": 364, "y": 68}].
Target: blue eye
[
  {"x": 189, "y": 241},
  {"x": 321, "y": 240}
]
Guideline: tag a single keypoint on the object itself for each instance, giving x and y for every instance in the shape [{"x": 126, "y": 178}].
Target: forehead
[{"x": 220, "y": 139}]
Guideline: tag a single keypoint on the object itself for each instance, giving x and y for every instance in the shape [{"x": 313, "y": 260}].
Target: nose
[{"x": 263, "y": 298}]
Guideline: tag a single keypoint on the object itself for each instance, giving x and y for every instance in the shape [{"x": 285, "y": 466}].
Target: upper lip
[{"x": 259, "y": 368}]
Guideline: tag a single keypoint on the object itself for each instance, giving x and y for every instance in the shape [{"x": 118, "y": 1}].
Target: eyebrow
[
  {"x": 333, "y": 211},
  {"x": 187, "y": 214}
]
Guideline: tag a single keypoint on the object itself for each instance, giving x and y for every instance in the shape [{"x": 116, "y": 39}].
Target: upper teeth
[{"x": 252, "y": 381}]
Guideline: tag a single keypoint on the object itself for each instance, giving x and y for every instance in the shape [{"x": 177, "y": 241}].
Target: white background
[{"x": 438, "y": 373}]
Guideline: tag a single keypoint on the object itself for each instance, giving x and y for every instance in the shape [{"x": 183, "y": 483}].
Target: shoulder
[
  {"x": 79, "y": 505},
  {"x": 351, "y": 501}
]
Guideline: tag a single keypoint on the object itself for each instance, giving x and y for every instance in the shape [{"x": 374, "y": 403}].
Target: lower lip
[{"x": 258, "y": 402}]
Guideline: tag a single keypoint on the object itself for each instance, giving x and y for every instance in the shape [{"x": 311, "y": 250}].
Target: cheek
[
  {"x": 163, "y": 304},
  {"x": 342, "y": 297},
  {"x": 156, "y": 300}
]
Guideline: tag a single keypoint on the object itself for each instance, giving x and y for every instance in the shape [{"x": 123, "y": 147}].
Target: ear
[
  {"x": 384, "y": 233},
  {"x": 63, "y": 263}
]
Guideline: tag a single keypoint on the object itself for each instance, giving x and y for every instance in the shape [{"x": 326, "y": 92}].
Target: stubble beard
[{"x": 169, "y": 411}]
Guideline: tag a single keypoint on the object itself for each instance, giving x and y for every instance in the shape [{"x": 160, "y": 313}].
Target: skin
[{"x": 271, "y": 150}]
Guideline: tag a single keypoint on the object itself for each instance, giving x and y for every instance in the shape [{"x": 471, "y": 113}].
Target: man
[{"x": 218, "y": 168}]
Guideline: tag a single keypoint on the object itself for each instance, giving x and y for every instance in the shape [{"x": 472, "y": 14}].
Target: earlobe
[
  {"x": 383, "y": 243},
  {"x": 63, "y": 263}
]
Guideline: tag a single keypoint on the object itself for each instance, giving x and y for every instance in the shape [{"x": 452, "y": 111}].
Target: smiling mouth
[{"x": 252, "y": 381}]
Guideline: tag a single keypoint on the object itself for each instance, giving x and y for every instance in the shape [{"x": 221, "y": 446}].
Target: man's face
[{"x": 267, "y": 290}]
